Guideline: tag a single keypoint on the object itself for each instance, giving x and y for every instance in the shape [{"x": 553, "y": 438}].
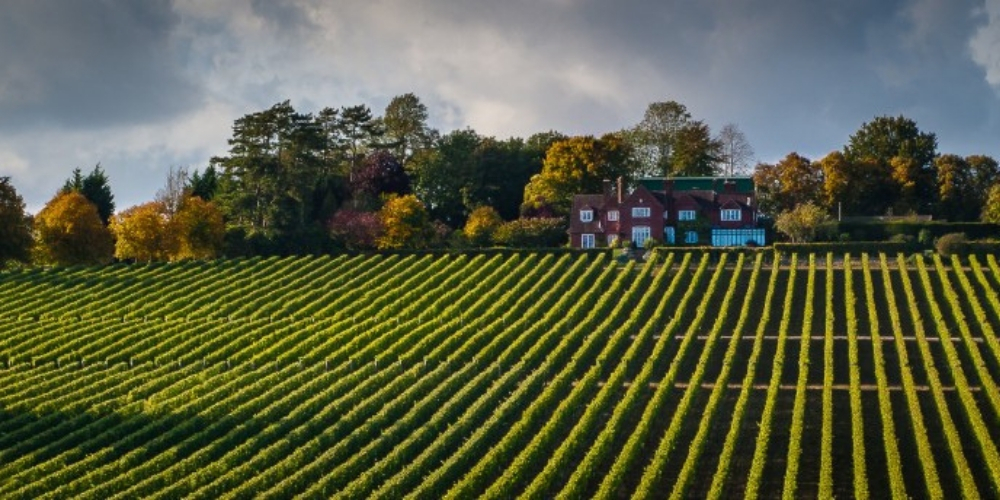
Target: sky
[{"x": 142, "y": 86}]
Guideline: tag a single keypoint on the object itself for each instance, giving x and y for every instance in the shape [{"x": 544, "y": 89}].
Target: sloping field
[{"x": 534, "y": 375}]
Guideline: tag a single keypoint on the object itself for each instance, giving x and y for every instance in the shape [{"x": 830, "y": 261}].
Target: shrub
[
  {"x": 534, "y": 232},
  {"x": 950, "y": 244}
]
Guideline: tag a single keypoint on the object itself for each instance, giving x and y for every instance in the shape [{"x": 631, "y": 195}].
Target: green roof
[{"x": 743, "y": 184}]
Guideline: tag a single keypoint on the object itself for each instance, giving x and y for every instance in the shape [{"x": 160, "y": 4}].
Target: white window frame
[
  {"x": 731, "y": 215},
  {"x": 587, "y": 240},
  {"x": 666, "y": 214},
  {"x": 640, "y": 212},
  {"x": 586, "y": 215},
  {"x": 640, "y": 234},
  {"x": 686, "y": 215},
  {"x": 612, "y": 215},
  {"x": 691, "y": 237}
]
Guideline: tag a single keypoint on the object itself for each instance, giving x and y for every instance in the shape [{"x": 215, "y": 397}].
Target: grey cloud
[{"x": 90, "y": 64}]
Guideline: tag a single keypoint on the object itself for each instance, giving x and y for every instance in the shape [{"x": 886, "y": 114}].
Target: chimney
[
  {"x": 621, "y": 196},
  {"x": 668, "y": 185},
  {"x": 606, "y": 185},
  {"x": 729, "y": 187}
]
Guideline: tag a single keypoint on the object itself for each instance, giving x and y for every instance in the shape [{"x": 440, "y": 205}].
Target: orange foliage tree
[{"x": 69, "y": 231}]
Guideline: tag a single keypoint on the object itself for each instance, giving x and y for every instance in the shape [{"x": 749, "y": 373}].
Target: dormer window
[
  {"x": 640, "y": 212},
  {"x": 586, "y": 215},
  {"x": 731, "y": 214},
  {"x": 612, "y": 215},
  {"x": 685, "y": 215}
]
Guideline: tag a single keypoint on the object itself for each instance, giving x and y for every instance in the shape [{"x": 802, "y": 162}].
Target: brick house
[{"x": 674, "y": 210}]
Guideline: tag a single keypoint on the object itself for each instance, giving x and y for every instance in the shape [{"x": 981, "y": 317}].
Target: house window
[
  {"x": 612, "y": 215},
  {"x": 686, "y": 215},
  {"x": 691, "y": 237},
  {"x": 640, "y": 212},
  {"x": 639, "y": 235},
  {"x": 666, "y": 214},
  {"x": 586, "y": 215},
  {"x": 732, "y": 214},
  {"x": 587, "y": 241},
  {"x": 612, "y": 239}
]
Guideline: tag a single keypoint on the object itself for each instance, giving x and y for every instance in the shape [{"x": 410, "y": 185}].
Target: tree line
[{"x": 346, "y": 178}]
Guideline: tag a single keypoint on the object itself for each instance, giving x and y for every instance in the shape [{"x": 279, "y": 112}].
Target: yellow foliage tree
[
  {"x": 199, "y": 229},
  {"x": 144, "y": 233},
  {"x": 574, "y": 166},
  {"x": 800, "y": 223},
  {"x": 405, "y": 223},
  {"x": 482, "y": 223},
  {"x": 69, "y": 231}
]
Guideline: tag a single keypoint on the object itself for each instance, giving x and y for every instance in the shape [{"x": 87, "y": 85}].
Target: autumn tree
[
  {"x": 69, "y": 231},
  {"x": 784, "y": 185},
  {"x": 800, "y": 223},
  {"x": 356, "y": 230},
  {"x": 991, "y": 209},
  {"x": 15, "y": 228},
  {"x": 380, "y": 174},
  {"x": 405, "y": 224},
  {"x": 735, "y": 152},
  {"x": 96, "y": 188},
  {"x": 856, "y": 187},
  {"x": 577, "y": 165},
  {"x": 144, "y": 233},
  {"x": 199, "y": 230},
  {"x": 482, "y": 223}
]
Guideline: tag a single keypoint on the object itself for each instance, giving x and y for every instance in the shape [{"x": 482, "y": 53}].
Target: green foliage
[
  {"x": 96, "y": 188},
  {"x": 447, "y": 175},
  {"x": 204, "y": 184},
  {"x": 885, "y": 138},
  {"x": 538, "y": 232},
  {"x": 406, "y": 130},
  {"x": 500, "y": 374},
  {"x": 897, "y": 145},
  {"x": 283, "y": 167},
  {"x": 15, "y": 226}
]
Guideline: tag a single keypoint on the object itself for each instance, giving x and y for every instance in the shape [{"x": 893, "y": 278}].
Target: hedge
[{"x": 881, "y": 231}]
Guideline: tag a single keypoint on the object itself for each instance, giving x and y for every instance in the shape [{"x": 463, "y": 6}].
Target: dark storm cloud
[{"x": 90, "y": 63}]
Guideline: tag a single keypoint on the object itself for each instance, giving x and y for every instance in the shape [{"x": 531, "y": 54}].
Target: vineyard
[{"x": 498, "y": 376}]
